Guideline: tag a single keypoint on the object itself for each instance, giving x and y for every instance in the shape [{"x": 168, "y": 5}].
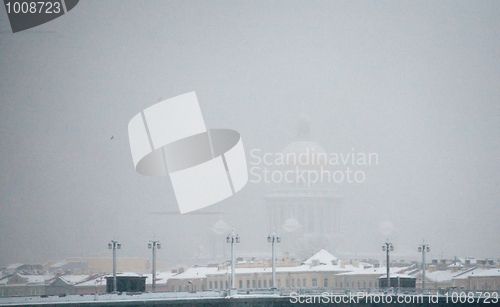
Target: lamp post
[
  {"x": 423, "y": 248},
  {"x": 232, "y": 238},
  {"x": 114, "y": 245},
  {"x": 154, "y": 245},
  {"x": 273, "y": 239},
  {"x": 386, "y": 248}
]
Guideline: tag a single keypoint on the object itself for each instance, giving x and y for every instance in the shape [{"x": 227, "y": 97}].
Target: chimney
[{"x": 432, "y": 268}]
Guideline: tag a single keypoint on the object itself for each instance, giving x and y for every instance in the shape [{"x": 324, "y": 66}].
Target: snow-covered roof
[
  {"x": 202, "y": 272},
  {"x": 479, "y": 273},
  {"x": 100, "y": 280},
  {"x": 122, "y": 274},
  {"x": 198, "y": 272},
  {"x": 438, "y": 276},
  {"x": 161, "y": 277},
  {"x": 36, "y": 279},
  {"x": 301, "y": 268},
  {"x": 394, "y": 275},
  {"x": 73, "y": 279},
  {"x": 375, "y": 271},
  {"x": 323, "y": 257}
]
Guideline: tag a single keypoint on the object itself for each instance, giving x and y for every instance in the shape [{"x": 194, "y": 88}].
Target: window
[
  {"x": 370, "y": 284},
  {"x": 180, "y": 288},
  {"x": 248, "y": 283},
  {"x": 270, "y": 282},
  {"x": 241, "y": 284},
  {"x": 265, "y": 283},
  {"x": 325, "y": 283},
  {"x": 347, "y": 284},
  {"x": 210, "y": 285},
  {"x": 253, "y": 284},
  {"x": 314, "y": 282},
  {"x": 287, "y": 283},
  {"x": 227, "y": 286},
  {"x": 279, "y": 283},
  {"x": 216, "y": 284},
  {"x": 298, "y": 282},
  {"x": 304, "y": 284},
  {"x": 358, "y": 285},
  {"x": 341, "y": 284},
  {"x": 259, "y": 284},
  {"x": 364, "y": 284},
  {"x": 220, "y": 284},
  {"x": 293, "y": 283}
]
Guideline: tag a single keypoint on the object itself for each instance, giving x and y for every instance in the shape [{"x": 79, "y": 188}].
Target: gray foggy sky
[{"x": 416, "y": 82}]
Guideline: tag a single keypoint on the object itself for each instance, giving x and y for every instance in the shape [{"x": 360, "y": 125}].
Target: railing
[{"x": 451, "y": 293}]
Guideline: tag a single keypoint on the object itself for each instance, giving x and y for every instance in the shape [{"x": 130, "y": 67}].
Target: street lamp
[
  {"x": 154, "y": 245},
  {"x": 273, "y": 239},
  {"x": 114, "y": 245},
  {"x": 386, "y": 248},
  {"x": 422, "y": 249},
  {"x": 232, "y": 238}
]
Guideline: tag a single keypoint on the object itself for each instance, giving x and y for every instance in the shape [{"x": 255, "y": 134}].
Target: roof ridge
[{"x": 466, "y": 271}]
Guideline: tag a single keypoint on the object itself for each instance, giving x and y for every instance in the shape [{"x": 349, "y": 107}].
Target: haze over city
[{"x": 415, "y": 83}]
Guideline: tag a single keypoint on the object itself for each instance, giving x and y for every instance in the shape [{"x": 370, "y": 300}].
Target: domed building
[{"x": 304, "y": 207}]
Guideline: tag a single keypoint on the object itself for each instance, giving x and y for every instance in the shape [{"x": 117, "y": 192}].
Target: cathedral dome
[{"x": 304, "y": 153}]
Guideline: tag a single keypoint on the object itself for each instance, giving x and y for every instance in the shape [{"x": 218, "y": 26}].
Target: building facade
[{"x": 304, "y": 205}]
